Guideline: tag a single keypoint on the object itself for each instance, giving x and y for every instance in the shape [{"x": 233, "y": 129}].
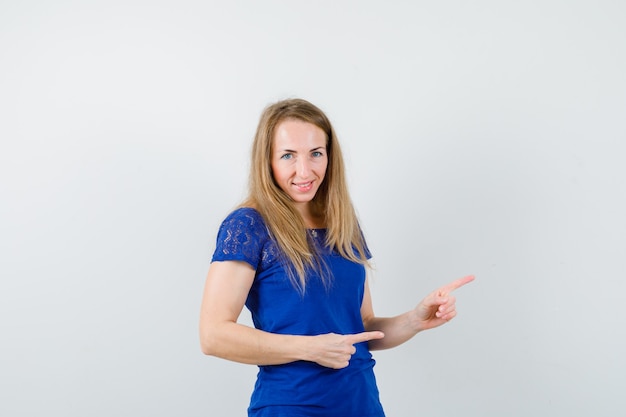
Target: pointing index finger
[
  {"x": 365, "y": 337},
  {"x": 446, "y": 289}
]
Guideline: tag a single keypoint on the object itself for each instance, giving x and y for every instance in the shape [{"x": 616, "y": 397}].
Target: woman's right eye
[{"x": 286, "y": 156}]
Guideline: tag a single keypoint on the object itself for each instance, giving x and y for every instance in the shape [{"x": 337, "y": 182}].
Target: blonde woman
[{"x": 293, "y": 253}]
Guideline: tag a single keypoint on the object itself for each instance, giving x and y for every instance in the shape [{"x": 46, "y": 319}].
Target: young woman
[{"x": 293, "y": 253}]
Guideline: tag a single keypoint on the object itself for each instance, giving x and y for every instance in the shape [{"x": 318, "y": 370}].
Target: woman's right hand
[{"x": 335, "y": 350}]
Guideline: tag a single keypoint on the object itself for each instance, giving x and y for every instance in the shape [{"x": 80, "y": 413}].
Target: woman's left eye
[{"x": 317, "y": 154}]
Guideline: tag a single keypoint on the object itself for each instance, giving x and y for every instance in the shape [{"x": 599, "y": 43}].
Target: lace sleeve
[{"x": 241, "y": 237}]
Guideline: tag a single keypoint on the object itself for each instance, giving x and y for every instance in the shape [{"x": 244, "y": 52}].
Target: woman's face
[{"x": 299, "y": 159}]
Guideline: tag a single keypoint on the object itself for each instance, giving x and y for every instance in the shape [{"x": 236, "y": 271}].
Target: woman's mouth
[{"x": 304, "y": 186}]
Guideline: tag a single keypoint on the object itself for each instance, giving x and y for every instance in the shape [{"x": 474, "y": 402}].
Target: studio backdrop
[{"x": 483, "y": 137}]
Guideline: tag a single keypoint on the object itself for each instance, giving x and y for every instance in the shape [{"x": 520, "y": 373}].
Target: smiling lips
[{"x": 304, "y": 187}]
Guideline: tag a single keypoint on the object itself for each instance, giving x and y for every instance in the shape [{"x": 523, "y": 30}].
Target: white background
[{"x": 484, "y": 137}]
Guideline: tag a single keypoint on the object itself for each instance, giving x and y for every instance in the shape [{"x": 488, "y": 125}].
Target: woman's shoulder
[
  {"x": 245, "y": 219},
  {"x": 242, "y": 236},
  {"x": 245, "y": 214}
]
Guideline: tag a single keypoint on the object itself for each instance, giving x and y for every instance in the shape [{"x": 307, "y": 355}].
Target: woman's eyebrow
[{"x": 312, "y": 150}]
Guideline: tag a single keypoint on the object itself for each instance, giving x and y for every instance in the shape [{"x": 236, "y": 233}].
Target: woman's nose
[{"x": 303, "y": 167}]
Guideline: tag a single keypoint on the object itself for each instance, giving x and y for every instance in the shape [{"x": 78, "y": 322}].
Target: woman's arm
[
  {"x": 226, "y": 289},
  {"x": 434, "y": 310}
]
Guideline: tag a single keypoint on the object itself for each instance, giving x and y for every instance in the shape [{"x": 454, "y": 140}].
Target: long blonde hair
[{"x": 332, "y": 201}]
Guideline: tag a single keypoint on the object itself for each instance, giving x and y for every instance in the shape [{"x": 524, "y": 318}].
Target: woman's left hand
[{"x": 439, "y": 307}]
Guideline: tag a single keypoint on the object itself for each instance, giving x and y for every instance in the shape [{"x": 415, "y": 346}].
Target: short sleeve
[{"x": 241, "y": 237}]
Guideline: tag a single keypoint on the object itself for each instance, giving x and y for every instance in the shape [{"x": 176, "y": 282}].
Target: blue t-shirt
[{"x": 302, "y": 389}]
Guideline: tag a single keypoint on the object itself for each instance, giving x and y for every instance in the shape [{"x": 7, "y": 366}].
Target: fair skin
[{"x": 299, "y": 163}]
